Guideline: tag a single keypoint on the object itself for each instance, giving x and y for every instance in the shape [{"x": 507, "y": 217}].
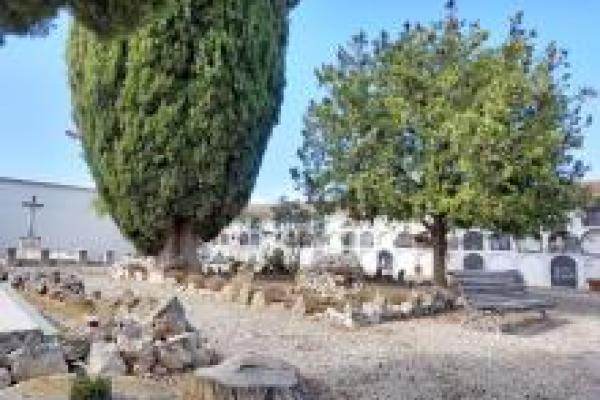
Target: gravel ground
[{"x": 428, "y": 358}]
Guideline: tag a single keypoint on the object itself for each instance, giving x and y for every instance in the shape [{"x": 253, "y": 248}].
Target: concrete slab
[{"x": 18, "y": 315}]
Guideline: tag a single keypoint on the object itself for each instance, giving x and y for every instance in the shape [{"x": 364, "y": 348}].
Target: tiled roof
[{"x": 593, "y": 186}]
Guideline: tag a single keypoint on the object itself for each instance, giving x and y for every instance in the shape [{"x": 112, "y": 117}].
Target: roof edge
[{"x": 54, "y": 185}]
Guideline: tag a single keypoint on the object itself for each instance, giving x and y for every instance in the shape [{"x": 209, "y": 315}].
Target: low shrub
[{"x": 87, "y": 388}]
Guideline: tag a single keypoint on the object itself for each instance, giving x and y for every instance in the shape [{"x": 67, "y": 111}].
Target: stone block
[
  {"x": 169, "y": 319},
  {"x": 244, "y": 294},
  {"x": 299, "y": 307},
  {"x": 105, "y": 359},
  {"x": 5, "y": 378},
  {"x": 42, "y": 360},
  {"x": 258, "y": 300},
  {"x": 245, "y": 377}
]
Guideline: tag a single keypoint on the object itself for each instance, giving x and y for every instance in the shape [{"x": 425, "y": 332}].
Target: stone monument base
[{"x": 30, "y": 248}]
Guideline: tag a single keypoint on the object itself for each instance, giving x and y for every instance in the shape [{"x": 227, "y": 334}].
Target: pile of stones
[
  {"x": 53, "y": 284},
  {"x": 239, "y": 288},
  {"x": 420, "y": 302},
  {"x": 327, "y": 284},
  {"x": 27, "y": 355},
  {"x": 137, "y": 268},
  {"x": 159, "y": 344}
]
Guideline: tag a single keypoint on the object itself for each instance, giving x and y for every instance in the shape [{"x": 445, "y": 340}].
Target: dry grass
[
  {"x": 275, "y": 292},
  {"x": 197, "y": 281},
  {"x": 69, "y": 312},
  {"x": 393, "y": 294},
  {"x": 125, "y": 387},
  {"x": 215, "y": 283}
]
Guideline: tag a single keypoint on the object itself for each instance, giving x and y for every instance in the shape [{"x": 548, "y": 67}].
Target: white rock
[
  {"x": 373, "y": 312},
  {"x": 129, "y": 327},
  {"x": 258, "y": 300},
  {"x": 344, "y": 319},
  {"x": 244, "y": 294},
  {"x": 299, "y": 307},
  {"x": 169, "y": 319},
  {"x": 106, "y": 360},
  {"x": 175, "y": 355},
  {"x": 140, "y": 355},
  {"x": 228, "y": 293},
  {"x": 406, "y": 309},
  {"x": 5, "y": 378},
  {"x": 247, "y": 376}
]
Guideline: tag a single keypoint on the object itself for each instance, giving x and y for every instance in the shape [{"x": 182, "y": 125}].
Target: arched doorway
[
  {"x": 473, "y": 262},
  {"x": 385, "y": 262},
  {"x": 563, "y": 270}
]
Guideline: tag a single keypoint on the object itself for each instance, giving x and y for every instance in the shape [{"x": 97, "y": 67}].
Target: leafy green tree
[
  {"x": 106, "y": 17},
  {"x": 442, "y": 127},
  {"x": 176, "y": 118}
]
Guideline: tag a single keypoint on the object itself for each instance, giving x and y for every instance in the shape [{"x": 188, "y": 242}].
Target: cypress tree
[
  {"x": 106, "y": 17},
  {"x": 175, "y": 119}
]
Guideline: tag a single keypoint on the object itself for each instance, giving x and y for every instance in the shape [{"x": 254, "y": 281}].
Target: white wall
[{"x": 67, "y": 222}]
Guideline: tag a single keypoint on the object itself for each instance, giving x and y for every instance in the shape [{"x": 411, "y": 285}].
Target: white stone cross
[{"x": 33, "y": 206}]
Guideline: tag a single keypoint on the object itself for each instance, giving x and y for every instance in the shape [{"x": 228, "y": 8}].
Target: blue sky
[{"x": 35, "y": 104}]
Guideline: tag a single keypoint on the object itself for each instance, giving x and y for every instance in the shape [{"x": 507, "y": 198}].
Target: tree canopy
[
  {"x": 176, "y": 118},
  {"x": 105, "y": 17},
  {"x": 443, "y": 127}
]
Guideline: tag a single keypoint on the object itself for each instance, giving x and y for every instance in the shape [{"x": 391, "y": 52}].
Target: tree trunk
[
  {"x": 180, "y": 250},
  {"x": 439, "y": 232}
]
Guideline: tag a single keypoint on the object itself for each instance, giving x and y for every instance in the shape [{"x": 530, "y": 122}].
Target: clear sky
[{"x": 35, "y": 105}]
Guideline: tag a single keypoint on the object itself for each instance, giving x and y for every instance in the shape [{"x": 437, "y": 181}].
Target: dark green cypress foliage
[
  {"x": 176, "y": 119},
  {"x": 105, "y": 17}
]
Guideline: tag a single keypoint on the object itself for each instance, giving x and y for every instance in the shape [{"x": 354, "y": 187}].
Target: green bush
[
  {"x": 275, "y": 262},
  {"x": 86, "y": 388}
]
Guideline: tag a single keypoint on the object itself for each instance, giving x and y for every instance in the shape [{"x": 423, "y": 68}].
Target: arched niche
[
  {"x": 563, "y": 272},
  {"x": 367, "y": 240},
  {"x": 530, "y": 244},
  {"x": 255, "y": 239},
  {"x": 590, "y": 242},
  {"x": 499, "y": 242},
  {"x": 385, "y": 261},
  {"x": 348, "y": 239},
  {"x": 563, "y": 242},
  {"x": 473, "y": 241},
  {"x": 403, "y": 240}
]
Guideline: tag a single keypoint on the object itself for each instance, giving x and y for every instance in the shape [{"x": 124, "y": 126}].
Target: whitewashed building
[
  {"x": 569, "y": 257},
  {"x": 68, "y": 223}
]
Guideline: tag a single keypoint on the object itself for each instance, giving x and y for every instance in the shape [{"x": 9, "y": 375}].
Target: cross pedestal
[{"x": 30, "y": 246}]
